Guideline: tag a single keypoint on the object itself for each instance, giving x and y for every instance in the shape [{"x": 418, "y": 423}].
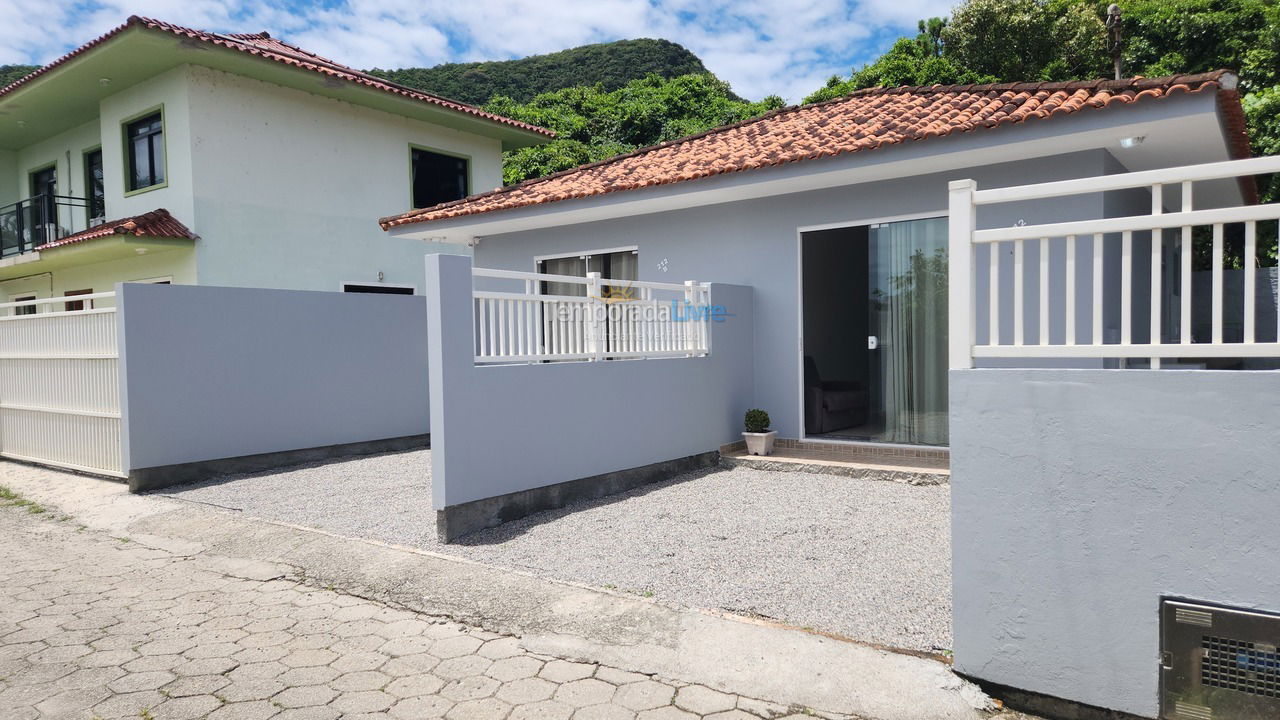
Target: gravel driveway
[{"x": 867, "y": 559}]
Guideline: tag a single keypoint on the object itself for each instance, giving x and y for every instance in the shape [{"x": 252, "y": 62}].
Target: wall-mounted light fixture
[{"x": 1132, "y": 141}]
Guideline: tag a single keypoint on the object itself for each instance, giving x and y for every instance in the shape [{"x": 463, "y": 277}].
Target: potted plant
[{"x": 758, "y": 435}]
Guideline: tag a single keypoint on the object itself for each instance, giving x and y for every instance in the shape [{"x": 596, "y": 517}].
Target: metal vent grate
[
  {"x": 1193, "y": 712},
  {"x": 1218, "y": 662},
  {"x": 1187, "y": 616},
  {"x": 1240, "y": 665}
]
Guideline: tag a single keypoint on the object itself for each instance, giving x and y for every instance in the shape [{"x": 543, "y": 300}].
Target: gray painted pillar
[{"x": 450, "y": 355}]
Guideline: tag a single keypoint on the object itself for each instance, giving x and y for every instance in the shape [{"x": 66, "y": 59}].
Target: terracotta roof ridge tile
[
  {"x": 862, "y": 120},
  {"x": 157, "y": 223}
]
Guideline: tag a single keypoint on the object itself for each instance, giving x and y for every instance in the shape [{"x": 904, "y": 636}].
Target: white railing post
[
  {"x": 691, "y": 315},
  {"x": 594, "y": 324},
  {"x": 961, "y": 324}
]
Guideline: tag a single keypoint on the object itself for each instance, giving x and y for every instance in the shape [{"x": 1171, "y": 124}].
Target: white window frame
[
  {"x": 537, "y": 259},
  {"x": 21, "y": 297}
]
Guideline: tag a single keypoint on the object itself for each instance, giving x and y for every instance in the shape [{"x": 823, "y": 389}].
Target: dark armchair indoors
[{"x": 831, "y": 405}]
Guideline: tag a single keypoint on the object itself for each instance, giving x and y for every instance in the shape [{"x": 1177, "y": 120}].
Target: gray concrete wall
[
  {"x": 755, "y": 243},
  {"x": 213, "y": 372},
  {"x": 503, "y": 429},
  {"x": 1081, "y": 497}
]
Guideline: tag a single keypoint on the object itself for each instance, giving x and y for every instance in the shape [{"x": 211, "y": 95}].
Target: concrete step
[{"x": 925, "y": 467}]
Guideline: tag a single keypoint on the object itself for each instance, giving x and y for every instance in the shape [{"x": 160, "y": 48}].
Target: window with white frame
[
  {"x": 620, "y": 264},
  {"x": 25, "y": 309}
]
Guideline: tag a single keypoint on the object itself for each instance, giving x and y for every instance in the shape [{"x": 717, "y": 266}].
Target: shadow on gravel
[{"x": 515, "y": 528}]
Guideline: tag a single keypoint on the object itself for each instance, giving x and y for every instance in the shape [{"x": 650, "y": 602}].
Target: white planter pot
[{"x": 760, "y": 443}]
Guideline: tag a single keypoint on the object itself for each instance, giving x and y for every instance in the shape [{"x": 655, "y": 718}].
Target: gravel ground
[{"x": 867, "y": 559}]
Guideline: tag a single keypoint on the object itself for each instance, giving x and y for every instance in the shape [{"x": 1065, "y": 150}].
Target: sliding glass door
[{"x": 907, "y": 307}]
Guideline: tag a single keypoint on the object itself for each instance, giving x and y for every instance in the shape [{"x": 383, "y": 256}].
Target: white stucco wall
[
  {"x": 178, "y": 265},
  {"x": 288, "y": 186},
  {"x": 169, "y": 92},
  {"x": 8, "y": 176}
]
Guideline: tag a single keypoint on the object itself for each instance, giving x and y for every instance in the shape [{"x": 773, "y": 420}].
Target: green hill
[
  {"x": 612, "y": 65},
  {"x": 10, "y": 73}
]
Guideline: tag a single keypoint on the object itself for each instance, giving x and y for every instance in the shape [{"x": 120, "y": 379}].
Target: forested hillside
[
  {"x": 10, "y": 73},
  {"x": 593, "y": 123},
  {"x": 610, "y": 65}
]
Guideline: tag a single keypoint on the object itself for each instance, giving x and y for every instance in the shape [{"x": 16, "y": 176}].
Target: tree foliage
[
  {"x": 594, "y": 123},
  {"x": 911, "y": 61},
  {"x": 1039, "y": 40},
  {"x": 1180, "y": 36},
  {"x": 13, "y": 73},
  {"x": 609, "y": 65},
  {"x": 1027, "y": 39}
]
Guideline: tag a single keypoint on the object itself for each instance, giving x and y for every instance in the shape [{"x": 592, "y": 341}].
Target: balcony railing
[
  {"x": 28, "y": 224},
  {"x": 1168, "y": 306},
  {"x": 611, "y": 320}
]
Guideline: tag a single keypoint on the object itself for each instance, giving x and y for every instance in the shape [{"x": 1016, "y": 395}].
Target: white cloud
[{"x": 760, "y": 46}]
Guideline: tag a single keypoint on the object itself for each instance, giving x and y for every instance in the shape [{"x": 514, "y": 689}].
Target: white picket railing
[
  {"x": 614, "y": 320},
  {"x": 60, "y": 385},
  {"x": 1166, "y": 230}
]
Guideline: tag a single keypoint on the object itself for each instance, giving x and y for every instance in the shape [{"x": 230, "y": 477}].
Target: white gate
[{"x": 60, "y": 384}]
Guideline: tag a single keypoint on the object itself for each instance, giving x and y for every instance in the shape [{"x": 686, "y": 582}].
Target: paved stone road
[{"x": 93, "y": 627}]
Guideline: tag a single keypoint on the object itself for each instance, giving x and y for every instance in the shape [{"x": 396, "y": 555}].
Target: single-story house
[{"x": 835, "y": 214}]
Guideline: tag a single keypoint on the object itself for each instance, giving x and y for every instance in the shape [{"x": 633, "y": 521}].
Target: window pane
[
  {"x": 157, "y": 159},
  {"x": 620, "y": 266},
  {"x": 140, "y": 161},
  {"x": 437, "y": 178},
  {"x": 574, "y": 266},
  {"x": 146, "y": 152},
  {"x": 93, "y": 184}
]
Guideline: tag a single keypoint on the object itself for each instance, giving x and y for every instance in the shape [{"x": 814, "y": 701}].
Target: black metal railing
[{"x": 28, "y": 224}]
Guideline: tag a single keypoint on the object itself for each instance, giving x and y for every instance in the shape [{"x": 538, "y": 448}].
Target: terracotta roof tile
[
  {"x": 157, "y": 223},
  {"x": 864, "y": 120},
  {"x": 264, "y": 46}
]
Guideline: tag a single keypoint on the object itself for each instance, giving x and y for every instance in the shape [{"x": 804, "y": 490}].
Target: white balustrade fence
[
  {"x": 60, "y": 385},
  {"x": 611, "y": 320},
  {"x": 1171, "y": 244}
]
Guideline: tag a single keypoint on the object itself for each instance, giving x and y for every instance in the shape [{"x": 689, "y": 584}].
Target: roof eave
[
  {"x": 512, "y": 133},
  {"x": 942, "y": 154}
]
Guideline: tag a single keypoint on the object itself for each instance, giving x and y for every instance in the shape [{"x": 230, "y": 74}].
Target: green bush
[{"x": 756, "y": 421}]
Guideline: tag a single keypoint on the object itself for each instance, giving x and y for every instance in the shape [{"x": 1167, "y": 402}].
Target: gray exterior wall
[
  {"x": 212, "y": 372},
  {"x": 1080, "y": 498},
  {"x": 503, "y": 429},
  {"x": 755, "y": 243}
]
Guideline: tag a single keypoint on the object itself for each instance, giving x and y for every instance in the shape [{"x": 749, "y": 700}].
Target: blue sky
[{"x": 760, "y": 46}]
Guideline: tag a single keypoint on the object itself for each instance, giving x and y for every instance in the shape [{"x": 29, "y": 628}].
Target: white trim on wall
[
  {"x": 942, "y": 212},
  {"x": 606, "y": 251},
  {"x": 155, "y": 280}
]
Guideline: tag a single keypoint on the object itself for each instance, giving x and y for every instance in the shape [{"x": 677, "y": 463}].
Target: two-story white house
[{"x": 164, "y": 154}]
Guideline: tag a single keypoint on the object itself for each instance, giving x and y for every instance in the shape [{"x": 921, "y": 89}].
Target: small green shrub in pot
[
  {"x": 758, "y": 435},
  {"x": 756, "y": 421}
]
